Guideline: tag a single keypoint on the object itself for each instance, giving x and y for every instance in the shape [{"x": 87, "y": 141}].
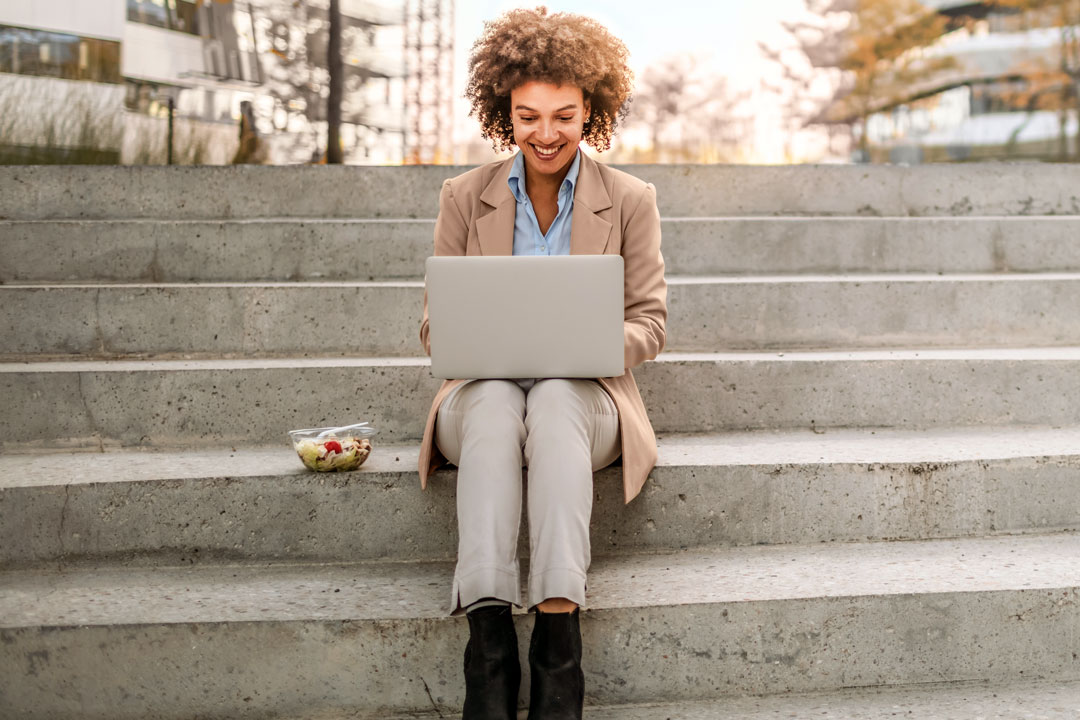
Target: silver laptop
[{"x": 526, "y": 317}]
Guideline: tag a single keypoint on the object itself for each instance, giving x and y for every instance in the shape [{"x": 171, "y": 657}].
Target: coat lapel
[
  {"x": 588, "y": 231},
  {"x": 495, "y": 228}
]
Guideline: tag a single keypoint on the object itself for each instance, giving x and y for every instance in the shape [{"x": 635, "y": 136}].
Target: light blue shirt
[{"x": 528, "y": 240}]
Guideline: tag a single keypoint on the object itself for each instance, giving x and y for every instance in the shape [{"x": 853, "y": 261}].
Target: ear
[{"x": 588, "y": 110}]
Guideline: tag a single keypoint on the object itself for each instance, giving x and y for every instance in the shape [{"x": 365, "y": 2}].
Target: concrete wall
[
  {"x": 40, "y": 111},
  {"x": 48, "y": 113},
  {"x": 90, "y": 18},
  {"x": 160, "y": 55},
  {"x": 194, "y": 143}
]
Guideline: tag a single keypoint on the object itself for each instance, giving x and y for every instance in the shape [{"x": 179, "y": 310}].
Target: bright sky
[{"x": 725, "y": 31}]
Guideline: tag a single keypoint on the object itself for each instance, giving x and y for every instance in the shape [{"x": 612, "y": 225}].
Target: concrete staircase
[{"x": 867, "y": 502}]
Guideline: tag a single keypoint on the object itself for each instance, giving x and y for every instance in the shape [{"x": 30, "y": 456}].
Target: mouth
[{"x": 547, "y": 152}]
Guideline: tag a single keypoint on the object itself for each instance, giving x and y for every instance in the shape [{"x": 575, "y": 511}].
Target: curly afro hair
[{"x": 525, "y": 45}]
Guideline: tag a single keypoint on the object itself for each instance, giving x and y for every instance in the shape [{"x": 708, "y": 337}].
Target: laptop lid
[{"x": 526, "y": 317}]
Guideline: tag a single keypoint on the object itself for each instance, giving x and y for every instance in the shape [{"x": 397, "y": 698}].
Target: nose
[{"x": 546, "y": 132}]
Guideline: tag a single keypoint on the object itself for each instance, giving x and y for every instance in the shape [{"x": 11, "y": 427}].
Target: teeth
[{"x": 548, "y": 153}]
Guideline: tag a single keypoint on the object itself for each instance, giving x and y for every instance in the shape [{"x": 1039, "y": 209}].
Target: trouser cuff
[
  {"x": 566, "y": 583},
  {"x": 486, "y": 581}
]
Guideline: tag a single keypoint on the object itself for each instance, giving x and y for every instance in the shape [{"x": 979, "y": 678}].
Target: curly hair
[{"x": 525, "y": 45}]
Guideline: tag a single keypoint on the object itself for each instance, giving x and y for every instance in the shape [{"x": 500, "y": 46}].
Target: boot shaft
[
  {"x": 557, "y": 682},
  {"x": 492, "y": 669}
]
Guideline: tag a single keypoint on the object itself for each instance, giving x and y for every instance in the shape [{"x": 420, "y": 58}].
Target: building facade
[
  {"x": 93, "y": 80},
  {"x": 1009, "y": 94}
]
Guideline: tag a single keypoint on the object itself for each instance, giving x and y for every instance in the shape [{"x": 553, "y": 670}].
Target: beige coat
[{"x": 614, "y": 213}]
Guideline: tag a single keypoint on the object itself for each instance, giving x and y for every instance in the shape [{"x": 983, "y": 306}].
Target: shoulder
[
  {"x": 622, "y": 179},
  {"x": 626, "y": 191},
  {"x": 468, "y": 185}
]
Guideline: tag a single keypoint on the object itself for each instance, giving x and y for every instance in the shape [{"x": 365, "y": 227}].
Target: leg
[
  {"x": 479, "y": 428},
  {"x": 572, "y": 430}
]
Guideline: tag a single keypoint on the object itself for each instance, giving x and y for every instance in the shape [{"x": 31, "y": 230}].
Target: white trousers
[{"x": 563, "y": 430}]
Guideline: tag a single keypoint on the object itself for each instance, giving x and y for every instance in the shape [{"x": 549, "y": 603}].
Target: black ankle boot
[
  {"x": 557, "y": 690},
  {"x": 492, "y": 670}
]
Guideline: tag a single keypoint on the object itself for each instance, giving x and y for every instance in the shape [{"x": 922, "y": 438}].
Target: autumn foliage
[
  {"x": 1051, "y": 82},
  {"x": 884, "y": 51}
]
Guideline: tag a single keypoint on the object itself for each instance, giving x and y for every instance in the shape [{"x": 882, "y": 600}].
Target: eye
[{"x": 567, "y": 118}]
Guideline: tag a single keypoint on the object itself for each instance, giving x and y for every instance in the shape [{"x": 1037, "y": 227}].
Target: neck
[{"x": 546, "y": 185}]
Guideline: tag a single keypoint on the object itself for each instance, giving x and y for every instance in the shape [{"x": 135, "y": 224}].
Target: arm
[
  {"x": 644, "y": 287},
  {"x": 451, "y": 237}
]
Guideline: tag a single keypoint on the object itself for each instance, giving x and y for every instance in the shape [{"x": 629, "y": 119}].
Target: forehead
[{"x": 545, "y": 96}]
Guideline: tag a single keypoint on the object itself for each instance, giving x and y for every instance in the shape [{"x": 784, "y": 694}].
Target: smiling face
[{"x": 548, "y": 123}]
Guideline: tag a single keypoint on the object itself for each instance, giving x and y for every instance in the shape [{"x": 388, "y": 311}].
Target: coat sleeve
[
  {"x": 645, "y": 289},
  {"x": 451, "y": 238}
]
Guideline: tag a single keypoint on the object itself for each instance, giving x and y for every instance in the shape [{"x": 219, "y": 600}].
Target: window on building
[
  {"x": 24, "y": 51},
  {"x": 139, "y": 95},
  {"x": 186, "y": 17},
  {"x": 1014, "y": 21},
  {"x": 148, "y": 12},
  {"x": 179, "y": 15},
  {"x": 152, "y": 98}
]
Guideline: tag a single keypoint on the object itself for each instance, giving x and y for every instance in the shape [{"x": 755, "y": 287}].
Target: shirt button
[{"x": 543, "y": 248}]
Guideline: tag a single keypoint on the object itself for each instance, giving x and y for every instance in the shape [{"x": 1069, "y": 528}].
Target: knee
[
  {"x": 554, "y": 396},
  {"x": 493, "y": 396},
  {"x": 556, "y": 414},
  {"x": 494, "y": 408}
]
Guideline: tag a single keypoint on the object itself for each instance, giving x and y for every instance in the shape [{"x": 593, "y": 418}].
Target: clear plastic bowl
[{"x": 333, "y": 449}]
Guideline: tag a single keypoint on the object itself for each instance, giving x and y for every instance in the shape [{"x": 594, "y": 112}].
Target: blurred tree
[
  {"x": 809, "y": 75},
  {"x": 295, "y": 82},
  {"x": 691, "y": 114},
  {"x": 801, "y": 96},
  {"x": 880, "y": 47},
  {"x": 336, "y": 71},
  {"x": 298, "y": 75},
  {"x": 1052, "y": 82}
]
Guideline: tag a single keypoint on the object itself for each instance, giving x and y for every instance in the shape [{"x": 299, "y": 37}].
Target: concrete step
[
  {"x": 872, "y": 311},
  {"x": 939, "y": 701},
  {"x": 965, "y": 701},
  {"x": 216, "y": 403},
  {"x": 282, "y": 248},
  {"x": 258, "y": 504},
  {"x": 382, "y": 319},
  {"x": 94, "y": 192},
  {"x": 267, "y": 249},
  {"x": 375, "y": 639},
  {"x": 358, "y": 319}
]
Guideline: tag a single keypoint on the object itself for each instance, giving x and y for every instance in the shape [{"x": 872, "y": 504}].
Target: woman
[{"x": 542, "y": 83}]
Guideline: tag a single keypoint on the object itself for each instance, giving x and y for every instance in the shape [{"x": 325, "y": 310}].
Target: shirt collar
[{"x": 516, "y": 180}]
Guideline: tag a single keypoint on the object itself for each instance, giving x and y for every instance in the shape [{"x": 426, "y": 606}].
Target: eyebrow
[{"x": 564, "y": 108}]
